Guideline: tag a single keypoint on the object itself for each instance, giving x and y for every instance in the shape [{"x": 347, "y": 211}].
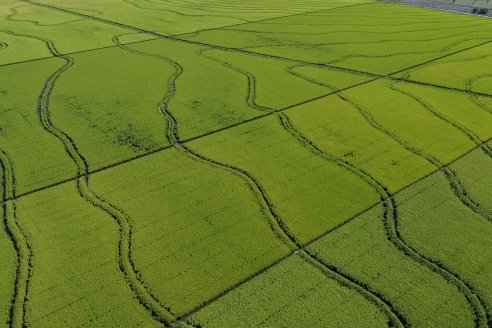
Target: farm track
[
  {"x": 391, "y": 217},
  {"x": 395, "y": 318},
  {"x": 20, "y": 243},
  {"x": 130, "y": 273}
]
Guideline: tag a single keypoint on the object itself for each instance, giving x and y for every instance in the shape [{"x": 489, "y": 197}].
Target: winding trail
[
  {"x": 20, "y": 243},
  {"x": 476, "y": 302},
  {"x": 127, "y": 267}
]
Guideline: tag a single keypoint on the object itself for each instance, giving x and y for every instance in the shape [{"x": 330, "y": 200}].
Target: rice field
[{"x": 186, "y": 163}]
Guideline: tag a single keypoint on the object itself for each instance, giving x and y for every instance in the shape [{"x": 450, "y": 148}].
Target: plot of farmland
[{"x": 187, "y": 163}]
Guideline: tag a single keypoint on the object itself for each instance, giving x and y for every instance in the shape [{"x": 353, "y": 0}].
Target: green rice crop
[
  {"x": 177, "y": 17},
  {"x": 438, "y": 224},
  {"x": 468, "y": 70},
  {"x": 37, "y": 159},
  {"x": 311, "y": 194},
  {"x": 198, "y": 229},
  {"x": 244, "y": 163},
  {"x": 361, "y": 248},
  {"x": 25, "y": 28},
  {"x": 375, "y": 37},
  {"x": 289, "y": 294},
  {"x": 76, "y": 279},
  {"x": 474, "y": 172}
]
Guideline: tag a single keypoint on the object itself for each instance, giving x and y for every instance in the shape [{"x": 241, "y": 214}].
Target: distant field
[{"x": 186, "y": 163}]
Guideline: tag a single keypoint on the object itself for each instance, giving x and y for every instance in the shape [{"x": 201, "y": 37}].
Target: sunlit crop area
[{"x": 189, "y": 163}]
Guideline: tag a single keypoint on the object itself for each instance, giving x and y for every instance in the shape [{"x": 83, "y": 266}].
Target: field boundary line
[{"x": 187, "y": 316}]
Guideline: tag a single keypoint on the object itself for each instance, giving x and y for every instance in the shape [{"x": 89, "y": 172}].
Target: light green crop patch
[
  {"x": 392, "y": 136},
  {"x": 293, "y": 292},
  {"x": 197, "y": 228},
  {"x": 76, "y": 278},
  {"x": 439, "y": 225},
  {"x": 470, "y": 70},
  {"x": 378, "y": 38},
  {"x": 475, "y": 171},
  {"x": 177, "y": 17},
  {"x": 362, "y": 250},
  {"x": 401, "y": 116},
  {"x": 310, "y": 194},
  {"x": 30, "y": 32}
]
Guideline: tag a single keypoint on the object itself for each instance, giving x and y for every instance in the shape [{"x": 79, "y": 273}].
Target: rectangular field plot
[
  {"x": 422, "y": 119},
  {"x": 309, "y": 194},
  {"x": 470, "y": 70},
  {"x": 176, "y": 17},
  {"x": 378, "y": 38},
  {"x": 29, "y": 32},
  {"x": 294, "y": 291}
]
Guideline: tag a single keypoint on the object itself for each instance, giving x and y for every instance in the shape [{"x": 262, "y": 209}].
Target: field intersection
[{"x": 191, "y": 163}]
